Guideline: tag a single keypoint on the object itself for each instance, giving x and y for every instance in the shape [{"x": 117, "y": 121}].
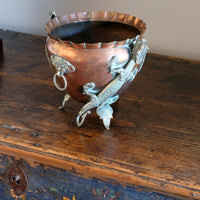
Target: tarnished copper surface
[{"x": 90, "y": 54}]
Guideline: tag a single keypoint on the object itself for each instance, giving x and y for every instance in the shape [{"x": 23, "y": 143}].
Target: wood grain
[{"x": 154, "y": 139}]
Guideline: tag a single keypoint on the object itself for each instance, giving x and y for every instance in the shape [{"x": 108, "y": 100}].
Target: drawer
[{"x": 46, "y": 182}]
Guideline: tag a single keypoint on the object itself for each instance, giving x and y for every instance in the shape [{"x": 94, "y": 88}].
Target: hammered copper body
[{"x": 88, "y": 40}]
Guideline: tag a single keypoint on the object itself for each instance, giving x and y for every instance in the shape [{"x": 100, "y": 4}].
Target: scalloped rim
[{"x": 95, "y": 16}]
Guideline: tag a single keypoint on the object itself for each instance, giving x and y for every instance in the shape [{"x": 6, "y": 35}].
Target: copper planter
[{"x": 95, "y": 55}]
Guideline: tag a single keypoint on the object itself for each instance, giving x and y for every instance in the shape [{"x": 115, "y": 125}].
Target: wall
[{"x": 173, "y": 26}]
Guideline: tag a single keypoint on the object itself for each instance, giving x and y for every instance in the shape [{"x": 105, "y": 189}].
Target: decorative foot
[
  {"x": 105, "y": 111},
  {"x": 106, "y": 114},
  {"x": 66, "y": 98},
  {"x": 100, "y": 100}
]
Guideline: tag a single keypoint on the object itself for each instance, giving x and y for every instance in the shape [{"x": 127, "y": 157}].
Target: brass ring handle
[{"x": 55, "y": 82}]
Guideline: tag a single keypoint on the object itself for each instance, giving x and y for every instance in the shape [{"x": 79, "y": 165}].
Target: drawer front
[{"x": 45, "y": 182}]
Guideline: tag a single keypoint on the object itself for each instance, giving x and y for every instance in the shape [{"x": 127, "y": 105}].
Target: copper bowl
[{"x": 89, "y": 50}]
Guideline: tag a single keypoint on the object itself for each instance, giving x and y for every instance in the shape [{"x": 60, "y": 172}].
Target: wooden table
[{"x": 154, "y": 140}]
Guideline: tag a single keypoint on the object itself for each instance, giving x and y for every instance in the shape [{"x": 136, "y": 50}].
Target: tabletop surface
[{"x": 154, "y": 140}]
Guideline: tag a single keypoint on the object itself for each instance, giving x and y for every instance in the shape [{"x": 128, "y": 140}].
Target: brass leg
[{"x": 66, "y": 98}]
